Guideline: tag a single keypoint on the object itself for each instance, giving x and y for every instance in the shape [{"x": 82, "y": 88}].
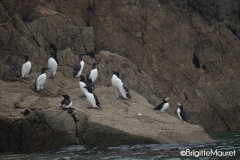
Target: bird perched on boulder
[
  {"x": 82, "y": 84},
  {"x": 122, "y": 87},
  {"x": 92, "y": 98},
  {"x": 41, "y": 79},
  {"x": 78, "y": 66},
  {"x": 163, "y": 106},
  {"x": 52, "y": 63},
  {"x": 93, "y": 73},
  {"x": 26, "y": 67},
  {"x": 181, "y": 112},
  {"x": 66, "y": 103}
]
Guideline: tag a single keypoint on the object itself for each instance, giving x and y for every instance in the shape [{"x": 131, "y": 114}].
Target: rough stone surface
[{"x": 48, "y": 127}]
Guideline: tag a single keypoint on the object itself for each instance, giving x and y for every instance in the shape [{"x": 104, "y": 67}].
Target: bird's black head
[
  {"x": 89, "y": 80},
  {"x": 116, "y": 73},
  {"x": 180, "y": 105},
  {"x": 165, "y": 99},
  {"x": 95, "y": 64},
  {"x": 43, "y": 70},
  {"x": 26, "y": 57},
  {"x": 65, "y": 96},
  {"x": 81, "y": 55},
  {"x": 52, "y": 52},
  {"x": 89, "y": 88},
  {"x": 82, "y": 78}
]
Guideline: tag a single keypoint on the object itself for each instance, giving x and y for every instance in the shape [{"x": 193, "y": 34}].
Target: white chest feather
[
  {"x": 93, "y": 75},
  {"x": 165, "y": 106},
  {"x": 82, "y": 85},
  {"x": 91, "y": 100},
  {"x": 116, "y": 82},
  {"x": 40, "y": 81},
  {"x": 178, "y": 112},
  {"x": 26, "y": 67},
  {"x": 53, "y": 65}
]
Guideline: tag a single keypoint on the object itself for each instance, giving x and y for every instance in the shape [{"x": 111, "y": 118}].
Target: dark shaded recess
[
  {"x": 233, "y": 31},
  {"x": 26, "y": 112},
  {"x": 185, "y": 95},
  {"x": 204, "y": 67},
  {"x": 196, "y": 61},
  {"x": 139, "y": 71},
  {"x": 91, "y": 53}
]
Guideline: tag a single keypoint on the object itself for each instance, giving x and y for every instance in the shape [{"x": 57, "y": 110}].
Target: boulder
[{"x": 36, "y": 122}]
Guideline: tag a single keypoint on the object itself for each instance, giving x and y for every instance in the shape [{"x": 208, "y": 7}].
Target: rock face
[
  {"x": 187, "y": 50},
  {"x": 47, "y": 127}
]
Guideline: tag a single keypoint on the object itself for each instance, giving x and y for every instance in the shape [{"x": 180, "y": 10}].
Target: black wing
[
  {"x": 97, "y": 101},
  {"x": 76, "y": 68},
  {"x": 159, "y": 107},
  {"x": 89, "y": 84},
  {"x": 183, "y": 115}
]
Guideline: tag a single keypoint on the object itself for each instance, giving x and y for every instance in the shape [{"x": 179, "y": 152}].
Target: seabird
[
  {"x": 82, "y": 84},
  {"x": 164, "y": 105},
  {"x": 41, "y": 79},
  {"x": 26, "y": 67},
  {"x": 125, "y": 85},
  {"x": 52, "y": 64},
  {"x": 92, "y": 98},
  {"x": 117, "y": 83},
  {"x": 180, "y": 112},
  {"x": 78, "y": 66},
  {"x": 93, "y": 73},
  {"x": 66, "y": 103}
]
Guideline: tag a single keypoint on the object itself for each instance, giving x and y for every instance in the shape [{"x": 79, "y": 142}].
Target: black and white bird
[
  {"x": 117, "y": 83},
  {"x": 181, "y": 112},
  {"x": 26, "y": 67},
  {"x": 164, "y": 105},
  {"x": 82, "y": 84},
  {"x": 52, "y": 63},
  {"x": 78, "y": 66},
  {"x": 41, "y": 79},
  {"x": 66, "y": 103},
  {"x": 93, "y": 73},
  {"x": 92, "y": 98},
  {"x": 125, "y": 85}
]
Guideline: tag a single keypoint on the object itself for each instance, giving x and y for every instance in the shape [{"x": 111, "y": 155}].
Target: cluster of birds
[{"x": 87, "y": 84}]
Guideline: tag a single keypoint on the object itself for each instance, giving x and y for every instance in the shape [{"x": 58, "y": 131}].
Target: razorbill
[
  {"x": 92, "y": 98},
  {"x": 117, "y": 83},
  {"x": 93, "y": 73},
  {"x": 52, "y": 64},
  {"x": 164, "y": 105},
  {"x": 180, "y": 112},
  {"x": 41, "y": 79},
  {"x": 125, "y": 85},
  {"x": 82, "y": 84},
  {"x": 66, "y": 103},
  {"x": 78, "y": 66},
  {"x": 26, "y": 67}
]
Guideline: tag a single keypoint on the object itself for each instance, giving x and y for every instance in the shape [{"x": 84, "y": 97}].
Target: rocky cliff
[{"x": 187, "y": 50}]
